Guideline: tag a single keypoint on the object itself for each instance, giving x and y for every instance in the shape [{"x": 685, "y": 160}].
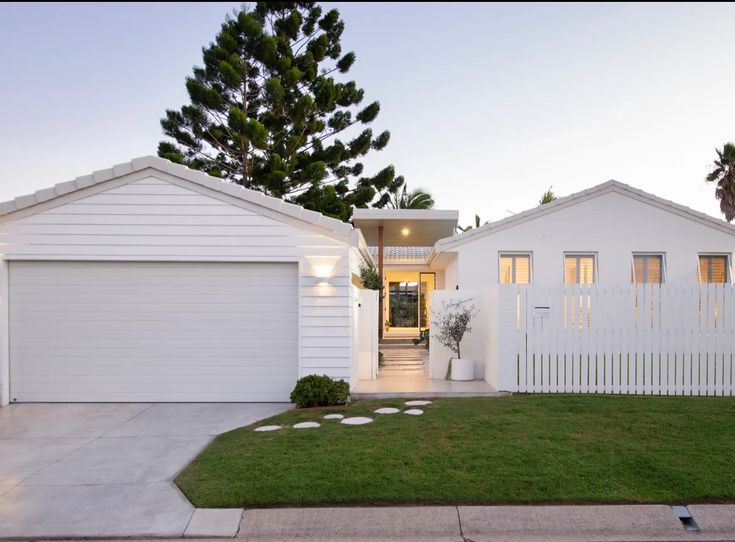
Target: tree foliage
[
  {"x": 370, "y": 278},
  {"x": 453, "y": 323},
  {"x": 417, "y": 198},
  {"x": 271, "y": 109},
  {"x": 723, "y": 173},
  {"x": 461, "y": 229}
]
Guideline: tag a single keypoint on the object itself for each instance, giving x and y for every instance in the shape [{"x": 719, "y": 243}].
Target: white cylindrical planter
[{"x": 462, "y": 369}]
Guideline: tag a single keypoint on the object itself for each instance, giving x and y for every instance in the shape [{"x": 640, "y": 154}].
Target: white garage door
[{"x": 145, "y": 331}]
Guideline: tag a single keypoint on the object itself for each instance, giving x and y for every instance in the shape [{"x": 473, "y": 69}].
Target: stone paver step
[{"x": 403, "y": 358}]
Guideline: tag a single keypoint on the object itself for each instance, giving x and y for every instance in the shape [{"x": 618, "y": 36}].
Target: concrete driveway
[{"x": 88, "y": 470}]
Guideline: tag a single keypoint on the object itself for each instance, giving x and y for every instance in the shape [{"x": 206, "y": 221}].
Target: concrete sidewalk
[
  {"x": 616, "y": 523},
  {"x": 611, "y": 523}
]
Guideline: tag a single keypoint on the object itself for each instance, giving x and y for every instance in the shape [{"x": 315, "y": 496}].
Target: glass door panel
[{"x": 404, "y": 304}]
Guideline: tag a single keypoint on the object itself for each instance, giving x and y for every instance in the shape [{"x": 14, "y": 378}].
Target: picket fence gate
[{"x": 633, "y": 339}]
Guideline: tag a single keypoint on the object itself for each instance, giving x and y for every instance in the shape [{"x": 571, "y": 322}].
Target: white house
[
  {"x": 608, "y": 234},
  {"x": 152, "y": 282}
]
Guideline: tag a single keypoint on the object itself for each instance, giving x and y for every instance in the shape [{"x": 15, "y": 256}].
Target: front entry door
[{"x": 404, "y": 304}]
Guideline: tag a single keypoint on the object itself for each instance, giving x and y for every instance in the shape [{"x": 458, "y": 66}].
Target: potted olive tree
[{"x": 452, "y": 323}]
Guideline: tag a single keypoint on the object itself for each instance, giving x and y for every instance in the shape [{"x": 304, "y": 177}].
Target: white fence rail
[{"x": 653, "y": 340}]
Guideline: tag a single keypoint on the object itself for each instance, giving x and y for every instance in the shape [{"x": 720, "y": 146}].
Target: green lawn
[{"x": 518, "y": 449}]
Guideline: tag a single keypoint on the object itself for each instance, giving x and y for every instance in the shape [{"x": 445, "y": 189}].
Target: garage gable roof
[
  {"x": 165, "y": 166},
  {"x": 612, "y": 186}
]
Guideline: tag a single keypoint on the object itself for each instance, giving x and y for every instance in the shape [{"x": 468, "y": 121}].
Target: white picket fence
[{"x": 653, "y": 340}]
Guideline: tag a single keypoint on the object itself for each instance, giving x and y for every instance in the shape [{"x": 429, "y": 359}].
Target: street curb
[
  {"x": 531, "y": 523},
  {"x": 585, "y": 523}
]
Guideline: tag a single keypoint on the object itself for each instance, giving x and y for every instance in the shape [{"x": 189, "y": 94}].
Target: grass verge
[{"x": 519, "y": 449}]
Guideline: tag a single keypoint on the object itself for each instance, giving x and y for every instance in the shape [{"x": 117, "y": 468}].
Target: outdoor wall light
[
  {"x": 405, "y": 231},
  {"x": 323, "y": 268},
  {"x": 323, "y": 271}
]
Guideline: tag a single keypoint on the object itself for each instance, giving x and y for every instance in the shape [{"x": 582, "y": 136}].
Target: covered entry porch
[{"x": 401, "y": 242}]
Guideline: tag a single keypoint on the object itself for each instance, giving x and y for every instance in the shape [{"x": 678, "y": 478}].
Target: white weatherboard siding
[
  {"x": 152, "y": 331},
  {"x": 150, "y": 215}
]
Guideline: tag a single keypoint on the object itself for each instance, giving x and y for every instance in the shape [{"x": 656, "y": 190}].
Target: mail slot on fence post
[{"x": 541, "y": 313}]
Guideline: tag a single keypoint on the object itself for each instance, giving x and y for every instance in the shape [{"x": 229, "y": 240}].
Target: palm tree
[
  {"x": 724, "y": 175},
  {"x": 417, "y": 198},
  {"x": 547, "y": 197},
  {"x": 460, "y": 229}
]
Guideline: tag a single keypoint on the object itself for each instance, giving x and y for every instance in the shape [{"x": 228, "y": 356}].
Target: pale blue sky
[{"x": 488, "y": 104}]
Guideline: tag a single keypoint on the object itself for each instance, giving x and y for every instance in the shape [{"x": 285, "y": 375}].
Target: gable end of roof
[
  {"x": 611, "y": 186},
  {"x": 177, "y": 170}
]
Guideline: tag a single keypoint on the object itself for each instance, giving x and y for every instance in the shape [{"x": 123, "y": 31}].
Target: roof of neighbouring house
[
  {"x": 405, "y": 227},
  {"x": 490, "y": 228}
]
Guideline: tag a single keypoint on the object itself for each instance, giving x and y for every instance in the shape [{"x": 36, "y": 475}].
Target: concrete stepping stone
[
  {"x": 417, "y": 403},
  {"x": 333, "y": 416},
  {"x": 357, "y": 420},
  {"x": 306, "y": 425},
  {"x": 414, "y": 412},
  {"x": 387, "y": 410},
  {"x": 264, "y": 428}
]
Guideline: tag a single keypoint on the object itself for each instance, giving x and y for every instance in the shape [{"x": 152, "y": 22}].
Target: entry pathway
[{"x": 98, "y": 470}]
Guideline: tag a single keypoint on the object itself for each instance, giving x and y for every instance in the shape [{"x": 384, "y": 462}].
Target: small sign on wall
[{"x": 541, "y": 312}]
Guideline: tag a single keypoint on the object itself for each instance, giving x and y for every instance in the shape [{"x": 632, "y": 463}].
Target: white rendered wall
[
  {"x": 473, "y": 346},
  {"x": 451, "y": 273},
  {"x": 612, "y": 226}
]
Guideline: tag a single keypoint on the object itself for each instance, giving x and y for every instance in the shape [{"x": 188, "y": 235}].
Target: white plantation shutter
[
  {"x": 523, "y": 269},
  {"x": 655, "y": 270},
  {"x": 579, "y": 269},
  {"x": 570, "y": 270},
  {"x": 713, "y": 268},
  {"x": 648, "y": 269},
  {"x": 515, "y": 268},
  {"x": 506, "y": 270},
  {"x": 586, "y": 269}
]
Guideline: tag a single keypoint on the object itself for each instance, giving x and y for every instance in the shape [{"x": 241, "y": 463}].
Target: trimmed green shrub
[
  {"x": 316, "y": 390},
  {"x": 370, "y": 278}
]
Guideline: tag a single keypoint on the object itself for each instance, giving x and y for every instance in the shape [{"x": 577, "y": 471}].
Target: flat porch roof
[{"x": 405, "y": 227}]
